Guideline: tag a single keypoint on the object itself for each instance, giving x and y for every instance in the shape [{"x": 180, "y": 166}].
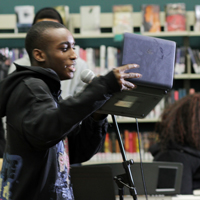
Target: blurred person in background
[{"x": 179, "y": 139}]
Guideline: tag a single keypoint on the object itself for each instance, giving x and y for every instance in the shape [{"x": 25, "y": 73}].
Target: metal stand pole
[{"x": 124, "y": 179}]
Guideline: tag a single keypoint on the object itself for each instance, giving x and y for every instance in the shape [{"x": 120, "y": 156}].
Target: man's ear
[{"x": 38, "y": 55}]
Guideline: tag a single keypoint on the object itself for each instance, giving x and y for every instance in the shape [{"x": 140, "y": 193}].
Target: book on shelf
[
  {"x": 64, "y": 13},
  {"x": 194, "y": 60},
  {"x": 102, "y": 59},
  {"x": 131, "y": 141},
  {"x": 177, "y": 61},
  {"x": 107, "y": 143},
  {"x": 93, "y": 59},
  {"x": 25, "y": 15},
  {"x": 148, "y": 139},
  {"x": 174, "y": 95},
  {"x": 182, "y": 93},
  {"x": 150, "y": 18},
  {"x": 197, "y": 18},
  {"x": 180, "y": 60},
  {"x": 182, "y": 63},
  {"x": 90, "y": 19},
  {"x": 83, "y": 54},
  {"x": 117, "y": 148},
  {"x": 111, "y": 150},
  {"x": 175, "y": 17},
  {"x": 196, "y": 56},
  {"x": 90, "y": 58},
  {"x": 126, "y": 140},
  {"x": 136, "y": 141},
  {"x": 111, "y": 57},
  {"x": 99, "y": 60},
  {"x": 122, "y": 19},
  {"x": 113, "y": 142}
]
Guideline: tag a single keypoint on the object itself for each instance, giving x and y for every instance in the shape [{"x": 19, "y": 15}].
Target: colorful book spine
[
  {"x": 126, "y": 140},
  {"x": 106, "y": 143}
]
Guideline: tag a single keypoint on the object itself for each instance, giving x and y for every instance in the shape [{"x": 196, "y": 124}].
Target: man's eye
[{"x": 64, "y": 49}]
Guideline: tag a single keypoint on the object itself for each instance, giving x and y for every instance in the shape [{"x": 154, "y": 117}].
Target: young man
[
  {"x": 70, "y": 87},
  {"x": 35, "y": 163}
]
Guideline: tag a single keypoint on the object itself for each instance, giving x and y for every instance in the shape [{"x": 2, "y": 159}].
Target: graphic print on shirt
[
  {"x": 11, "y": 167},
  {"x": 62, "y": 184}
]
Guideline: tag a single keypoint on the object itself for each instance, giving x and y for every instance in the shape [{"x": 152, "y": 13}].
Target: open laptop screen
[
  {"x": 156, "y": 58},
  {"x": 166, "y": 179}
]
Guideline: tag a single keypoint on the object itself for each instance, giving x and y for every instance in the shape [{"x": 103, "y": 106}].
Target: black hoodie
[{"x": 37, "y": 121}]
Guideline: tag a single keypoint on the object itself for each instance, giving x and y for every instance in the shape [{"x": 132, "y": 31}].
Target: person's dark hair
[
  {"x": 47, "y": 12},
  {"x": 180, "y": 123},
  {"x": 36, "y": 37}
]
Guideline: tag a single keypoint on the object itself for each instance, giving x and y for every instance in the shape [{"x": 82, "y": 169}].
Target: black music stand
[{"x": 124, "y": 179}]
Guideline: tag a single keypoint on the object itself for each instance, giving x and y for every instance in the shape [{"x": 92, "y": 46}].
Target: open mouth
[{"x": 71, "y": 68}]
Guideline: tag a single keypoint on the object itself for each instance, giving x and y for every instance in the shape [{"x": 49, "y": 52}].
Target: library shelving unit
[
  {"x": 107, "y": 22},
  {"x": 8, "y": 22},
  {"x": 186, "y": 80}
]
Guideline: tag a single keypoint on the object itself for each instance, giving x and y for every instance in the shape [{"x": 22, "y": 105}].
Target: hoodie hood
[
  {"x": 8, "y": 84},
  {"x": 156, "y": 149}
]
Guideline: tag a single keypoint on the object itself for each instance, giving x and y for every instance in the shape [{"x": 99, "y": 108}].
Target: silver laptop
[
  {"x": 161, "y": 178},
  {"x": 156, "y": 58}
]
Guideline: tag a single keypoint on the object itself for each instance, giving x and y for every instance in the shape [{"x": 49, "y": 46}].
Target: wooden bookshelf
[
  {"x": 9, "y": 22},
  {"x": 106, "y": 21}
]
